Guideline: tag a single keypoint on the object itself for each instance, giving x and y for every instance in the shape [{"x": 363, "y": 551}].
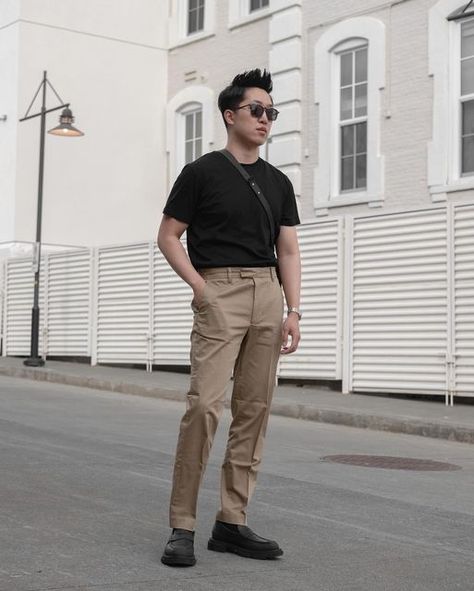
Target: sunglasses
[{"x": 257, "y": 110}]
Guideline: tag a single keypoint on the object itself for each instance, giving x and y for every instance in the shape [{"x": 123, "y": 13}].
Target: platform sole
[
  {"x": 219, "y": 546},
  {"x": 177, "y": 561}
]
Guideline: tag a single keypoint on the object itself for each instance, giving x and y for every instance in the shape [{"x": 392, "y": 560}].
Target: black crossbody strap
[{"x": 256, "y": 189}]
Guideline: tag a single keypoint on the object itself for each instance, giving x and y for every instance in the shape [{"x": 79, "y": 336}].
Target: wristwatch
[{"x": 296, "y": 311}]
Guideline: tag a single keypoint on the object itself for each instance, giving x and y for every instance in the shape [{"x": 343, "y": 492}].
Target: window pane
[
  {"x": 467, "y": 39},
  {"x": 361, "y": 138},
  {"x": 198, "y": 116},
  {"x": 468, "y": 117},
  {"x": 346, "y": 69},
  {"x": 361, "y": 100},
  {"x": 189, "y": 126},
  {"x": 347, "y": 174},
  {"x": 346, "y": 103},
  {"x": 192, "y": 5},
  {"x": 361, "y": 65},
  {"x": 361, "y": 172},
  {"x": 198, "y": 148},
  {"x": 200, "y": 23},
  {"x": 188, "y": 152},
  {"x": 192, "y": 21},
  {"x": 468, "y": 154},
  {"x": 257, "y": 4},
  {"x": 347, "y": 140},
  {"x": 467, "y": 76}
]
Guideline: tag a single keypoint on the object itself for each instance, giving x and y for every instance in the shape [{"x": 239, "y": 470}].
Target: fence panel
[
  {"x": 319, "y": 354},
  {"x": 173, "y": 317},
  {"x": 464, "y": 299},
  {"x": 123, "y": 304},
  {"x": 2, "y": 306},
  {"x": 18, "y": 302},
  {"x": 411, "y": 278},
  {"x": 399, "y": 303},
  {"x": 68, "y": 304}
]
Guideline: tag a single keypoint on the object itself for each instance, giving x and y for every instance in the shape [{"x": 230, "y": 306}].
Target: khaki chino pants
[{"x": 237, "y": 328}]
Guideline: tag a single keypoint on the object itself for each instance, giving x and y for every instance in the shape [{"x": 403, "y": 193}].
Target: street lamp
[{"x": 65, "y": 129}]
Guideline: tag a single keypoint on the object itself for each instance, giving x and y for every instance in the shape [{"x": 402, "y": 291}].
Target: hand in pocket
[{"x": 198, "y": 294}]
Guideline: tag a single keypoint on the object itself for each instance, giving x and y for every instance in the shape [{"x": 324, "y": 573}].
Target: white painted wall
[
  {"x": 108, "y": 60},
  {"x": 9, "y": 13}
]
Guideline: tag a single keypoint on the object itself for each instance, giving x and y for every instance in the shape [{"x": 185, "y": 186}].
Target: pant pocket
[{"x": 198, "y": 308}]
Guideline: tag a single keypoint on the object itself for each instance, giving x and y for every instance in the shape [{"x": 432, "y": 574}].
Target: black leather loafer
[
  {"x": 179, "y": 551},
  {"x": 241, "y": 540}
]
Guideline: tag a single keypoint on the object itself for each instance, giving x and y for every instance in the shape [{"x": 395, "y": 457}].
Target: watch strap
[{"x": 295, "y": 310}]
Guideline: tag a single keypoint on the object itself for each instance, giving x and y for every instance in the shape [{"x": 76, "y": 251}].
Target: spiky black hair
[{"x": 233, "y": 94}]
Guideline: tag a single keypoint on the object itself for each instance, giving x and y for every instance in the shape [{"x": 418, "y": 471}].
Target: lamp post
[{"x": 65, "y": 129}]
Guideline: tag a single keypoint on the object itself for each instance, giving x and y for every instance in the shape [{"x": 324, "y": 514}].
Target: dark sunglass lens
[
  {"x": 256, "y": 110},
  {"x": 272, "y": 114}
]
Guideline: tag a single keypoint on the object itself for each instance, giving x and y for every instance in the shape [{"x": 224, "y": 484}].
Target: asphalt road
[{"x": 85, "y": 481}]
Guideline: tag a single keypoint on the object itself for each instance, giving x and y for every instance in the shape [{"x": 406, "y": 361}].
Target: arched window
[
  {"x": 350, "y": 72},
  {"x": 352, "y": 149},
  {"x": 451, "y": 59},
  {"x": 189, "y": 127},
  {"x": 190, "y": 132}
]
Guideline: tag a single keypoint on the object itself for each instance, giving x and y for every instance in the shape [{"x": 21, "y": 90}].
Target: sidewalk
[{"x": 423, "y": 417}]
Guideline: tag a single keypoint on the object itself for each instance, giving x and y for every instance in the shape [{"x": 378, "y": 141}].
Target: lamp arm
[
  {"x": 65, "y": 106},
  {"x": 52, "y": 88}
]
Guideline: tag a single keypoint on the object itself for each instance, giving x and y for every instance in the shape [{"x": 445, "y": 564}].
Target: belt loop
[
  {"x": 272, "y": 273},
  {"x": 229, "y": 275}
]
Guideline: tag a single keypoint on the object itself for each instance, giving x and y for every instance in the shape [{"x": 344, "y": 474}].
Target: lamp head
[{"x": 65, "y": 127}]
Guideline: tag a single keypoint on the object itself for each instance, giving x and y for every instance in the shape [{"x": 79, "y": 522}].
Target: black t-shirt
[{"x": 227, "y": 225}]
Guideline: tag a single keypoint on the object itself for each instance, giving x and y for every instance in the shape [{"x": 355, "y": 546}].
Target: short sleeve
[
  {"x": 182, "y": 201},
  {"x": 289, "y": 212}
]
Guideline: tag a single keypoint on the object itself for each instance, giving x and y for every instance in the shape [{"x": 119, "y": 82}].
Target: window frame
[
  {"x": 347, "y": 34},
  {"x": 186, "y": 100},
  {"x": 444, "y": 150},
  {"x": 261, "y": 7},
  {"x": 461, "y": 98},
  {"x": 240, "y": 13},
  {"x": 185, "y": 111},
  {"x": 354, "y": 121},
  {"x": 201, "y": 4},
  {"x": 178, "y": 23}
]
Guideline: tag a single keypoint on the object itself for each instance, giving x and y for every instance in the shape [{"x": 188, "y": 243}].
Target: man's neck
[{"x": 243, "y": 154}]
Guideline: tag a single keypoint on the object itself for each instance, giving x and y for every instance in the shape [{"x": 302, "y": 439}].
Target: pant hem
[
  {"x": 233, "y": 518},
  {"x": 183, "y": 523}
]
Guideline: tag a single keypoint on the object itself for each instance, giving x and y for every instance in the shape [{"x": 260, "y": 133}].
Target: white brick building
[
  {"x": 135, "y": 77},
  {"x": 385, "y": 76},
  {"x": 376, "y": 132}
]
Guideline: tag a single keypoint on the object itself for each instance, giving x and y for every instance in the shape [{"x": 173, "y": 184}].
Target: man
[{"x": 238, "y": 313}]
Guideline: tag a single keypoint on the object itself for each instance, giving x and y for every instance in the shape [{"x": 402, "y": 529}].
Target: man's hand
[
  {"x": 291, "y": 328},
  {"x": 198, "y": 290}
]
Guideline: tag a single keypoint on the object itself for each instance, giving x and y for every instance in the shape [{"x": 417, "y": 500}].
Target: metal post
[{"x": 35, "y": 360}]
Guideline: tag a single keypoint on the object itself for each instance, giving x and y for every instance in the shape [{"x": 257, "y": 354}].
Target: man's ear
[{"x": 229, "y": 116}]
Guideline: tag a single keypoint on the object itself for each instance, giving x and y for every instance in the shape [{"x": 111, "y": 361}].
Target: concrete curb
[{"x": 294, "y": 410}]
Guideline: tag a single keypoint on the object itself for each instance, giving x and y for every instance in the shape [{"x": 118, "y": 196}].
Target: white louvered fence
[{"x": 388, "y": 304}]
